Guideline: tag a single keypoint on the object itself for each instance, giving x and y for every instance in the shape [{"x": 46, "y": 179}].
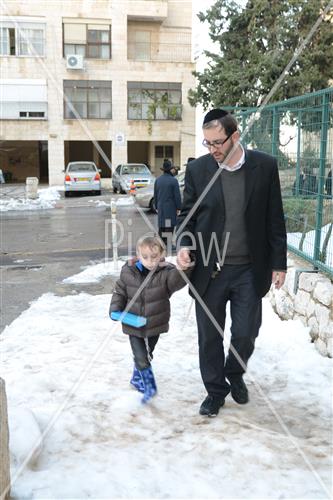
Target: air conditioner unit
[{"x": 74, "y": 61}]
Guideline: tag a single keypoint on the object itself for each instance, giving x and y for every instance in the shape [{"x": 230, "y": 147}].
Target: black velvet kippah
[{"x": 214, "y": 114}]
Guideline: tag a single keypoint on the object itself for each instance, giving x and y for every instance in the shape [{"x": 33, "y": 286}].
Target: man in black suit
[{"x": 232, "y": 220}]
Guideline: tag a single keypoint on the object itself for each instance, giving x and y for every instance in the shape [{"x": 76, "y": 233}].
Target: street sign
[{"x": 120, "y": 139}]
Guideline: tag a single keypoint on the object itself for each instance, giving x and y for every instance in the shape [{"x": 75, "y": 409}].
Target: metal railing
[
  {"x": 172, "y": 46},
  {"x": 299, "y": 133},
  {"x": 161, "y": 52}
]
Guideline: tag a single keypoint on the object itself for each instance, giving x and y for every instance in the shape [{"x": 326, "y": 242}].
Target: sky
[
  {"x": 201, "y": 42},
  {"x": 67, "y": 368}
]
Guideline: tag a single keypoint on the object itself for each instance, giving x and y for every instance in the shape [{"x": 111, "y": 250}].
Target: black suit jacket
[{"x": 264, "y": 219}]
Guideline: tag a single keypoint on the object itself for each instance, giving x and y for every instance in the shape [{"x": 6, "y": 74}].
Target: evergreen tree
[{"x": 256, "y": 43}]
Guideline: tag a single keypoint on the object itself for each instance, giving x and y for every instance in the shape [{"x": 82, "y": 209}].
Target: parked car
[
  {"x": 82, "y": 176},
  {"x": 145, "y": 197},
  {"x": 124, "y": 174}
]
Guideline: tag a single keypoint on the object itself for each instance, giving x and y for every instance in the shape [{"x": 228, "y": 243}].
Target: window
[
  {"x": 7, "y": 41},
  {"x": 87, "y": 99},
  {"x": 168, "y": 152},
  {"x": 159, "y": 152},
  {"x": 163, "y": 151},
  {"x": 82, "y": 167},
  {"x": 153, "y": 41},
  {"x": 90, "y": 40},
  {"x": 30, "y": 42},
  {"x": 32, "y": 114},
  {"x": 22, "y": 39},
  {"x": 154, "y": 101},
  {"x": 23, "y": 98},
  {"x": 139, "y": 45},
  {"x": 135, "y": 169}
]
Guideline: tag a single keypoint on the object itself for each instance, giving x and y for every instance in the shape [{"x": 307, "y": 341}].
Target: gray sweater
[{"x": 233, "y": 185}]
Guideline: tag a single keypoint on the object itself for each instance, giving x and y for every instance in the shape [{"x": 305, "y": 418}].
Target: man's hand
[
  {"x": 278, "y": 278},
  {"x": 184, "y": 259}
]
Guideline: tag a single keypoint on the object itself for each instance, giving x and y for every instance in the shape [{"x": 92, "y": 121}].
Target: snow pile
[
  {"x": 94, "y": 273},
  {"x": 25, "y": 437},
  {"x": 68, "y": 364},
  {"x": 309, "y": 240},
  {"x": 100, "y": 203},
  {"x": 120, "y": 202},
  {"x": 126, "y": 201},
  {"x": 47, "y": 199}
]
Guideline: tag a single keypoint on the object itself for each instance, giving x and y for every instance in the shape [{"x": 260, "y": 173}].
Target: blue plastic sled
[{"x": 129, "y": 319}]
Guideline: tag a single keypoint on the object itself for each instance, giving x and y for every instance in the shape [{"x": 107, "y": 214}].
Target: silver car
[
  {"x": 82, "y": 176},
  {"x": 125, "y": 174},
  {"x": 145, "y": 197}
]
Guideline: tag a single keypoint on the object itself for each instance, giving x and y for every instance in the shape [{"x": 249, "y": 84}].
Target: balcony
[
  {"x": 148, "y": 10},
  {"x": 155, "y": 45}
]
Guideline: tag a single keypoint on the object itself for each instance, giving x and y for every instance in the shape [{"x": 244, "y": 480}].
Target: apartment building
[{"x": 101, "y": 80}]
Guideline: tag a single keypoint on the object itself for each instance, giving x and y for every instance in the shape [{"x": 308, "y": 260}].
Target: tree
[{"x": 256, "y": 42}]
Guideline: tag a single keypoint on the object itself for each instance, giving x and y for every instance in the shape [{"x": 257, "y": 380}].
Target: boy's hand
[{"x": 184, "y": 259}]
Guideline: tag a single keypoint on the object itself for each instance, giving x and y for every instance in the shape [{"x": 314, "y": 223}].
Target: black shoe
[
  {"x": 211, "y": 406},
  {"x": 239, "y": 391}
]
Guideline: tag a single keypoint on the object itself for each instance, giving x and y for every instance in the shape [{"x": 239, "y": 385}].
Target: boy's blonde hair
[{"x": 150, "y": 242}]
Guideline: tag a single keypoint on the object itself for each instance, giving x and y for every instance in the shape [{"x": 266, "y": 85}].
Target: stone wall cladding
[{"x": 312, "y": 303}]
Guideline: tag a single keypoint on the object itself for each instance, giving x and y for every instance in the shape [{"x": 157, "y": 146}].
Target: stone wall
[{"x": 312, "y": 303}]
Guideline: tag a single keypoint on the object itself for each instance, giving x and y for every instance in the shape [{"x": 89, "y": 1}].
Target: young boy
[{"x": 145, "y": 286}]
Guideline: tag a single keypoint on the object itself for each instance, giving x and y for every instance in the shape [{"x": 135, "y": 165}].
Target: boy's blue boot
[
  {"x": 136, "y": 380},
  {"x": 149, "y": 384}
]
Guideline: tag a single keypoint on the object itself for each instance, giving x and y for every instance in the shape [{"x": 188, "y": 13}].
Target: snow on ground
[
  {"x": 93, "y": 274},
  {"x": 309, "y": 241},
  {"x": 63, "y": 359},
  {"x": 99, "y": 203},
  {"x": 46, "y": 199},
  {"x": 120, "y": 202},
  {"x": 125, "y": 201}
]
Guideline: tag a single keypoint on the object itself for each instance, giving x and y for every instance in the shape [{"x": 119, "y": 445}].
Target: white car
[
  {"x": 82, "y": 176},
  {"x": 145, "y": 197},
  {"x": 128, "y": 173}
]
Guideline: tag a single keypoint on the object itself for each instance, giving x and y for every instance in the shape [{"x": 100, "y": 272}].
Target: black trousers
[
  {"x": 234, "y": 283},
  {"x": 139, "y": 350}
]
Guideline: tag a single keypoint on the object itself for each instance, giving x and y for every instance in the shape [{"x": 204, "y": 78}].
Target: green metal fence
[{"x": 299, "y": 133}]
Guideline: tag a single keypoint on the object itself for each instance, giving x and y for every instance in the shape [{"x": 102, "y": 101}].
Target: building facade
[{"x": 102, "y": 80}]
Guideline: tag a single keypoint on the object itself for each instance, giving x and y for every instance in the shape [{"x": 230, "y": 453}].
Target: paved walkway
[{"x": 14, "y": 190}]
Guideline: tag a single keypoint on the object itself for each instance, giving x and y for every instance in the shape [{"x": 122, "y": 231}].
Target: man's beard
[{"x": 227, "y": 153}]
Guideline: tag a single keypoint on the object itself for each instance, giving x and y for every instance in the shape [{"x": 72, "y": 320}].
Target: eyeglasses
[{"x": 216, "y": 144}]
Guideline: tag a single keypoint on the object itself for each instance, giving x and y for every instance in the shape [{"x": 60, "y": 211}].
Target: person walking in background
[
  {"x": 167, "y": 202},
  {"x": 152, "y": 304},
  {"x": 190, "y": 158},
  {"x": 243, "y": 211}
]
